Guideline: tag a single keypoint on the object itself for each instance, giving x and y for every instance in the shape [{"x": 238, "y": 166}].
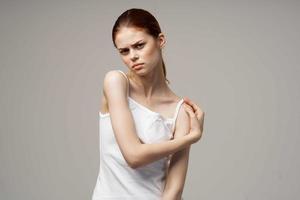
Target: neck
[{"x": 152, "y": 84}]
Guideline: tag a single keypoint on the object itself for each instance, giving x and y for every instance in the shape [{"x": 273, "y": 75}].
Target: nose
[{"x": 134, "y": 55}]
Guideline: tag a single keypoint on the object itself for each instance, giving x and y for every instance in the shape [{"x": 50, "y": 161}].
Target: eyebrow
[{"x": 131, "y": 45}]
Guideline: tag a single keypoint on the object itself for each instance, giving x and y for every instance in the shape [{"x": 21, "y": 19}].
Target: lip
[{"x": 138, "y": 65}]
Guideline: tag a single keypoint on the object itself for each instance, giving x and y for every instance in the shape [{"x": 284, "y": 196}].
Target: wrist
[{"x": 190, "y": 138}]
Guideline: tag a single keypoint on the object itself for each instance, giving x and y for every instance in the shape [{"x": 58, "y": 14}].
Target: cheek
[
  {"x": 125, "y": 60},
  {"x": 152, "y": 53}
]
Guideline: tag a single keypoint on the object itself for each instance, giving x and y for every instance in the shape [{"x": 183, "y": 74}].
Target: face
[{"x": 136, "y": 46}]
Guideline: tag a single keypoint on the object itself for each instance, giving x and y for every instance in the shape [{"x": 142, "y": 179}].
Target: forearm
[
  {"x": 172, "y": 195},
  {"x": 176, "y": 174},
  {"x": 148, "y": 153}
]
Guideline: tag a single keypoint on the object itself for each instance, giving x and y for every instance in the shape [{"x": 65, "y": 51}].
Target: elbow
[
  {"x": 134, "y": 159},
  {"x": 133, "y": 165}
]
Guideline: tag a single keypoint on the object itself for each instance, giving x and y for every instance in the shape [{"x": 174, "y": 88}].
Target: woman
[{"x": 143, "y": 152}]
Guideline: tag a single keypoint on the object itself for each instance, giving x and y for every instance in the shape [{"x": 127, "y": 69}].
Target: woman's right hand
[{"x": 196, "y": 119}]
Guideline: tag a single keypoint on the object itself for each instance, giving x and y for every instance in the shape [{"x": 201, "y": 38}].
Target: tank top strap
[
  {"x": 176, "y": 113},
  {"x": 127, "y": 80}
]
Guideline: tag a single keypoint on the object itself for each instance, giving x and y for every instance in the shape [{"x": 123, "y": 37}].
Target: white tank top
[{"x": 116, "y": 180}]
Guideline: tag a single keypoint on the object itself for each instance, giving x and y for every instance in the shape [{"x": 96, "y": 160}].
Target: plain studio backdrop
[{"x": 239, "y": 60}]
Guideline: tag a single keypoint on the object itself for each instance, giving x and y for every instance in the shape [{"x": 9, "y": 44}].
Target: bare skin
[{"x": 148, "y": 87}]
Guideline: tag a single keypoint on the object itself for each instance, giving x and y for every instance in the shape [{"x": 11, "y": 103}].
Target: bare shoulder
[
  {"x": 114, "y": 82},
  {"x": 113, "y": 76},
  {"x": 114, "y": 89}
]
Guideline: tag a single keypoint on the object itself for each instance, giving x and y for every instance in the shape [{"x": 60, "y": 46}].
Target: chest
[{"x": 150, "y": 127}]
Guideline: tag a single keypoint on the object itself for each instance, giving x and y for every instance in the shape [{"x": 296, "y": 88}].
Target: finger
[
  {"x": 189, "y": 111},
  {"x": 187, "y": 106},
  {"x": 189, "y": 101},
  {"x": 199, "y": 115},
  {"x": 195, "y": 107},
  {"x": 198, "y": 112}
]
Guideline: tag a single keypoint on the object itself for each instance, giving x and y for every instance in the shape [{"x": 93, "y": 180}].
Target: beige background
[{"x": 238, "y": 59}]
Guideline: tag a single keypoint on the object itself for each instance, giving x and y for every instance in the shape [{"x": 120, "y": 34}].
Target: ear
[{"x": 161, "y": 40}]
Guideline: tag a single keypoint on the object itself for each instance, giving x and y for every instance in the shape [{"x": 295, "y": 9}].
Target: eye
[
  {"x": 123, "y": 51},
  {"x": 140, "y": 45}
]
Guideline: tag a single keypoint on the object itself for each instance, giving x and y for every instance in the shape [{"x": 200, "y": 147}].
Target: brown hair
[{"x": 141, "y": 19}]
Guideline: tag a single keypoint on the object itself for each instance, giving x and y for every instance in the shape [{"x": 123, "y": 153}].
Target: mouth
[{"x": 138, "y": 65}]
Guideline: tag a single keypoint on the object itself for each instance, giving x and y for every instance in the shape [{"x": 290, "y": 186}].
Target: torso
[{"x": 163, "y": 105}]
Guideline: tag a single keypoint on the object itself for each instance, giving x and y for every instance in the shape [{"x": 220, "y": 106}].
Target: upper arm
[
  {"x": 179, "y": 161},
  {"x": 115, "y": 91},
  {"x": 182, "y": 125}
]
